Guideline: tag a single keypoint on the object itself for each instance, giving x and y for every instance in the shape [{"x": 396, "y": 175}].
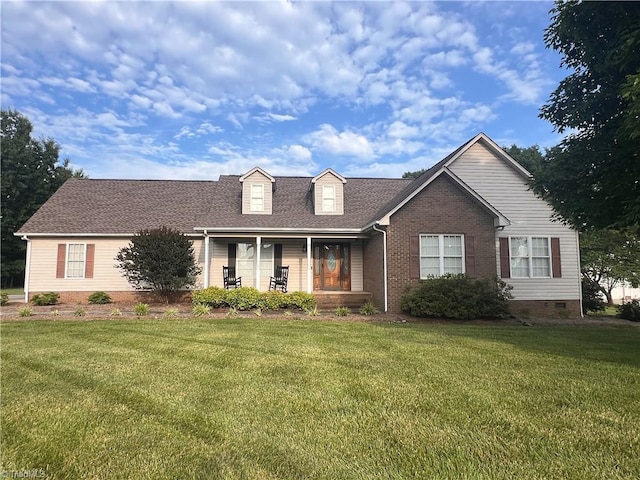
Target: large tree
[
  {"x": 592, "y": 176},
  {"x": 31, "y": 173},
  {"x": 161, "y": 260},
  {"x": 530, "y": 158},
  {"x": 610, "y": 257}
]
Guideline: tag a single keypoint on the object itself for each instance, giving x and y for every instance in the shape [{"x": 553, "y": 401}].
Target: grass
[
  {"x": 293, "y": 399},
  {"x": 13, "y": 291}
]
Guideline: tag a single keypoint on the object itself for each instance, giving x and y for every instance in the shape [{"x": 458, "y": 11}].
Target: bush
[
  {"x": 80, "y": 312},
  {"x": 591, "y": 297},
  {"x": 630, "y": 311},
  {"x": 141, "y": 309},
  {"x": 115, "y": 312},
  {"x": 24, "y": 312},
  {"x": 301, "y": 301},
  {"x": 369, "y": 308},
  {"x": 170, "y": 313},
  {"x": 4, "y": 298},
  {"x": 49, "y": 298},
  {"x": 342, "y": 311},
  {"x": 244, "y": 298},
  {"x": 99, "y": 298},
  {"x": 215, "y": 297},
  {"x": 275, "y": 300},
  {"x": 457, "y": 297}
]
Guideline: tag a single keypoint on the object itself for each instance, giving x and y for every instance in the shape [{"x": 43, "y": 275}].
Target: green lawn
[{"x": 293, "y": 399}]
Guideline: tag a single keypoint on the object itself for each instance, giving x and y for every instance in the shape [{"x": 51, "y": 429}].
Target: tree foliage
[
  {"x": 415, "y": 174},
  {"x": 31, "y": 173},
  {"x": 610, "y": 257},
  {"x": 161, "y": 260},
  {"x": 592, "y": 176},
  {"x": 530, "y": 158}
]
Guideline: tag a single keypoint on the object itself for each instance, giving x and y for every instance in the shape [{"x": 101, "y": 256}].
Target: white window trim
[
  {"x": 531, "y": 257},
  {"x": 329, "y": 196},
  {"x": 84, "y": 261},
  {"x": 441, "y": 251},
  {"x": 257, "y": 197}
]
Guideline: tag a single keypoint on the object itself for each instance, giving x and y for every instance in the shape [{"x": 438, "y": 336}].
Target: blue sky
[{"x": 193, "y": 90}]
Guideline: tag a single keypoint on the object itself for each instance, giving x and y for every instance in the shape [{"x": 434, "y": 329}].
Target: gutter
[
  {"x": 27, "y": 269},
  {"x": 384, "y": 263}
]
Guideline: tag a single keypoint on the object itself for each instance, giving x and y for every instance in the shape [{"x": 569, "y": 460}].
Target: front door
[{"x": 331, "y": 267}]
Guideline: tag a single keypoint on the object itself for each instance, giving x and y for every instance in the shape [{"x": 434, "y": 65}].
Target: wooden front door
[{"x": 331, "y": 269}]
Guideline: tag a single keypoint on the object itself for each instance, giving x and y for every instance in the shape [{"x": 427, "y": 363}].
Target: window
[
  {"x": 257, "y": 197},
  {"x": 328, "y": 198},
  {"x": 441, "y": 254},
  {"x": 75, "y": 260},
  {"x": 246, "y": 258},
  {"x": 530, "y": 257}
]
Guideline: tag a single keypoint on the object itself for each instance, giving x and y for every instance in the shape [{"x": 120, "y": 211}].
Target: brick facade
[
  {"x": 373, "y": 268},
  {"x": 441, "y": 208}
]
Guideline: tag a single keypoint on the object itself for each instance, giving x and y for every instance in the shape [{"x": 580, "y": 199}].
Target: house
[{"x": 344, "y": 239}]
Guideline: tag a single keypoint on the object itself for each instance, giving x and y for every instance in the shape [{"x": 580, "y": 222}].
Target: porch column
[
  {"x": 310, "y": 266},
  {"x": 206, "y": 259},
  {"x": 258, "y": 248}
]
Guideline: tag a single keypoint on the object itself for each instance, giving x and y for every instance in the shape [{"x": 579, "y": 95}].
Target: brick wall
[
  {"x": 443, "y": 207},
  {"x": 373, "y": 269},
  {"x": 129, "y": 297},
  {"x": 545, "y": 308}
]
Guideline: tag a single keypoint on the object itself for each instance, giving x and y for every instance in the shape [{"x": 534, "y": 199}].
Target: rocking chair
[
  {"x": 229, "y": 276},
  {"x": 279, "y": 280}
]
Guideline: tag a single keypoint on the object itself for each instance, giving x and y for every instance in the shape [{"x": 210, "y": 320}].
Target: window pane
[
  {"x": 429, "y": 245},
  {"x": 540, "y": 247},
  {"x": 452, "y": 245},
  {"x": 519, "y": 267},
  {"x": 541, "y": 267},
  {"x": 328, "y": 198},
  {"x": 244, "y": 256},
  {"x": 257, "y": 198},
  {"x": 266, "y": 261},
  {"x": 519, "y": 247},
  {"x": 453, "y": 265},
  {"x": 429, "y": 266}
]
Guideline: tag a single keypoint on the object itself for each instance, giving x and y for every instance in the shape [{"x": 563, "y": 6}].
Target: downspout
[
  {"x": 206, "y": 259},
  {"x": 27, "y": 269},
  {"x": 258, "y": 259},
  {"x": 579, "y": 273},
  {"x": 384, "y": 263},
  {"x": 310, "y": 267}
]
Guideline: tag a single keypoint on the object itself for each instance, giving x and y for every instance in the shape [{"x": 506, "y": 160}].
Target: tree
[
  {"x": 610, "y": 257},
  {"x": 591, "y": 177},
  {"x": 415, "y": 174},
  {"x": 530, "y": 158},
  {"x": 31, "y": 173},
  {"x": 161, "y": 260}
]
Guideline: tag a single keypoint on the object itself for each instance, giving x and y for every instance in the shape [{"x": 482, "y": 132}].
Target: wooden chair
[
  {"x": 279, "y": 280},
  {"x": 229, "y": 276}
]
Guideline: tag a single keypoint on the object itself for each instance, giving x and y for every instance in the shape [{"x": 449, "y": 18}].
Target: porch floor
[{"x": 327, "y": 300}]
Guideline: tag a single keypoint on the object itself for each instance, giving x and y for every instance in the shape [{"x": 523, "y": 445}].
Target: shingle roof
[{"x": 88, "y": 206}]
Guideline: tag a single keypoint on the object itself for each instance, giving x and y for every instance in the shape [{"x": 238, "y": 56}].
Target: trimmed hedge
[
  {"x": 457, "y": 297},
  {"x": 249, "y": 298},
  {"x": 49, "y": 298}
]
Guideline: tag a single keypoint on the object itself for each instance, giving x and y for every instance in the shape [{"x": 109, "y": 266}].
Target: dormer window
[
  {"x": 257, "y": 192},
  {"x": 328, "y": 193},
  {"x": 257, "y": 197},
  {"x": 328, "y": 198}
]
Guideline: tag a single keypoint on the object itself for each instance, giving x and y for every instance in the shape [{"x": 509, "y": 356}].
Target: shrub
[
  {"x": 55, "y": 312},
  {"x": 215, "y": 297},
  {"x": 49, "y": 298},
  {"x": 342, "y": 311},
  {"x": 25, "y": 312},
  {"x": 4, "y": 298},
  {"x": 630, "y": 311},
  {"x": 80, "y": 312},
  {"x": 115, "y": 312},
  {"x": 591, "y": 297},
  {"x": 200, "y": 310},
  {"x": 457, "y": 297},
  {"x": 232, "y": 313},
  {"x": 170, "y": 313},
  {"x": 244, "y": 298},
  {"x": 141, "y": 309},
  {"x": 301, "y": 301},
  {"x": 275, "y": 300},
  {"x": 369, "y": 308},
  {"x": 99, "y": 298}
]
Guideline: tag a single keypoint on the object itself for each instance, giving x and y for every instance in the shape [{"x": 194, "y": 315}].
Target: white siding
[
  {"x": 506, "y": 190},
  {"x": 253, "y": 179}
]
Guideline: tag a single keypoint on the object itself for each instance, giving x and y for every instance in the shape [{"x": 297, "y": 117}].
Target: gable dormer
[
  {"x": 257, "y": 192},
  {"x": 328, "y": 193}
]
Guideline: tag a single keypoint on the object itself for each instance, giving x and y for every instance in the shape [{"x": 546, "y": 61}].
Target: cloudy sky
[{"x": 192, "y": 90}]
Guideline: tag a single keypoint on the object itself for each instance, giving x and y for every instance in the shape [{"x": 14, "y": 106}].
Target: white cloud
[{"x": 328, "y": 139}]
